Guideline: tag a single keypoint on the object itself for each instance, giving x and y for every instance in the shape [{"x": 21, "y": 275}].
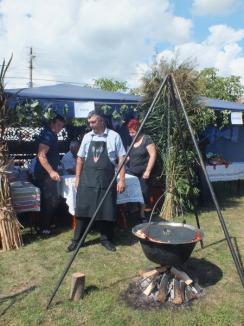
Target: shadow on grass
[
  {"x": 88, "y": 290},
  {"x": 15, "y": 298},
  {"x": 238, "y": 253},
  {"x": 124, "y": 237},
  {"x": 227, "y": 193},
  {"x": 34, "y": 236},
  {"x": 203, "y": 271},
  {"x": 235, "y": 244}
]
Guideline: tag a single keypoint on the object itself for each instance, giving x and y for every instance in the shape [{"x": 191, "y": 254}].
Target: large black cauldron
[{"x": 167, "y": 243}]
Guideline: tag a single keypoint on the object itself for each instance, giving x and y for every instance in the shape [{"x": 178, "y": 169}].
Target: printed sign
[
  {"x": 236, "y": 118},
  {"x": 81, "y": 109}
]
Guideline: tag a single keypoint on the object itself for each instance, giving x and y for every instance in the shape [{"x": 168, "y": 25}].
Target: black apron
[{"x": 97, "y": 173}]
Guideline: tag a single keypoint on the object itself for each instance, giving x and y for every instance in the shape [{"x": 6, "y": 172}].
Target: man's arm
[
  {"x": 78, "y": 170},
  {"x": 121, "y": 183},
  {"x": 42, "y": 157}
]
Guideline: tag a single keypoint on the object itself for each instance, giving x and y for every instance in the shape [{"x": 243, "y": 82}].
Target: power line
[{"x": 42, "y": 79}]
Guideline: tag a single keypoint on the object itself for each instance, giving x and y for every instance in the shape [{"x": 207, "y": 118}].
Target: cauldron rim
[{"x": 176, "y": 224}]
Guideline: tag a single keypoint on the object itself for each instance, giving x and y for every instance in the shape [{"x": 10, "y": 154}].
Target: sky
[{"x": 78, "y": 41}]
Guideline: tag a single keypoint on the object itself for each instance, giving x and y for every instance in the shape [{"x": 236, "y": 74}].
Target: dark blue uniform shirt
[{"x": 49, "y": 138}]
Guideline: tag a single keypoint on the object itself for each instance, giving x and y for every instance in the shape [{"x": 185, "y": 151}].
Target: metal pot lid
[{"x": 167, "y": 232}]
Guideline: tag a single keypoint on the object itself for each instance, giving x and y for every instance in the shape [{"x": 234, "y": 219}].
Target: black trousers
[
  {"x": 106, "y": 229},
  {"x": 49, "y": 200}
]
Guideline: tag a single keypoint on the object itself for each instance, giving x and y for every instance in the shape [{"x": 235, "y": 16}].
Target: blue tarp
[
  {"x": 58, "y": 95},
  {"x": 71, "y": 92},
  {"x": 217, "y": 104}
]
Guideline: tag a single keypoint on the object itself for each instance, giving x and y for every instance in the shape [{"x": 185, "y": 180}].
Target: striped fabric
[{"x": 25, "y": 196}]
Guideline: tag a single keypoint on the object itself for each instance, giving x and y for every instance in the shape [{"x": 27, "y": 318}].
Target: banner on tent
[
  {"x": 236, "y": 118},
  {"x": 81, "y": 109}
]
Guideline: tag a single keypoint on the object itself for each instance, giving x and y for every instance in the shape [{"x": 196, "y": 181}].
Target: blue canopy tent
[
  {"x": 217, "y": 104},
  {"x": 77, "y": 98},
  {"x": 79, "y": 101},
  {"x": 228, "y": 141}
]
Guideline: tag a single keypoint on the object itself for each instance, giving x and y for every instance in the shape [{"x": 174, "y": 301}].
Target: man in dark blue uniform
[{"x": 46, "y": 175}]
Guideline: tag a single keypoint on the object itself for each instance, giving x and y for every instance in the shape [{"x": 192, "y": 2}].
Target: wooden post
[{"x": 77, "y": 286}]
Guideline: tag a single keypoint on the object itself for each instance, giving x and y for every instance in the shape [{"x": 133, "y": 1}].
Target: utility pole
[{"x": 31, "y": 66}]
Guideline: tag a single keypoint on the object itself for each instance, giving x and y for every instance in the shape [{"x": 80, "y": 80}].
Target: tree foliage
[
  {"x": 224, "y": 88},
  {"x": 111, "y": 85}
]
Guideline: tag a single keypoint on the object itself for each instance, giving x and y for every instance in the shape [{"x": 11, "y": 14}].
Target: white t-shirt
[{"x": 113, "y": 140}]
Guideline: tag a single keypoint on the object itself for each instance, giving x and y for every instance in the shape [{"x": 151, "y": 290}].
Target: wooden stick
[
  {"x": 179, "y": 275},
  {"x": 77, "y": 286},
  {"x": 163, "y": 288},
  {"x": 149, "y": 289},
  {"x": 153, "y": 272},
  {"x": 177, "y": 293}
]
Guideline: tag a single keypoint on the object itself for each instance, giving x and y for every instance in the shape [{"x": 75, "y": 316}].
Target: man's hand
[
  {"x": 54, "y": 176},
  {"x": 120, "y": 186}
]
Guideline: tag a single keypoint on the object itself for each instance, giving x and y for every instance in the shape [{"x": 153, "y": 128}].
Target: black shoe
[
  {"x": 108, "y": 245},
  {"x": 72, "y": 246}
]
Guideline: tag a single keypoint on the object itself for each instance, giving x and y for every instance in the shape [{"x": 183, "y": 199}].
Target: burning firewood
[
  {"x": 177, "y": 295},
  {"x": 179, "y": 275},
  {"x": 163, "y": 288},
  {"x": 150, "y": 288},
  {"x": 191, "y": 293},
  {"x": 153, "y": 272},
  {"x": 166, "y": 283}
]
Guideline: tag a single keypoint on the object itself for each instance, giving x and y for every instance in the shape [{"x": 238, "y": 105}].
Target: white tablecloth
[
  {"x": 234, "y": 171},
  {"x": 132, "y": 191}
]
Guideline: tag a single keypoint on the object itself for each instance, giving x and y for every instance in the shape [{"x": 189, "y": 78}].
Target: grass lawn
[{"x": 40, "y": 262}]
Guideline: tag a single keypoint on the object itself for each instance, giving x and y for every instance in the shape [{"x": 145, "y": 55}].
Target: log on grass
[{"x": 77, "y": 286}]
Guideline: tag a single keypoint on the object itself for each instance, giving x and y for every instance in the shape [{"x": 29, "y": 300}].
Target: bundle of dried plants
[{"x": 10, "y": 236}]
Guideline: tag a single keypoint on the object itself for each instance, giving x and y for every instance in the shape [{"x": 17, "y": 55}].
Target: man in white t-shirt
[
  {"x": 69, "y": 159},
  {"x": 100, "y": 150}
]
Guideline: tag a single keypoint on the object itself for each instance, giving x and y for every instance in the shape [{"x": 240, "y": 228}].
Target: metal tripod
[{"x": 170, "y": 82}]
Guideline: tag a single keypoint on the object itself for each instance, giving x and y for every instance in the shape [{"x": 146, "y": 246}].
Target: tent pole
[
  {"x": 221, "y": 218},
  {"x": 82, "y": 240}
]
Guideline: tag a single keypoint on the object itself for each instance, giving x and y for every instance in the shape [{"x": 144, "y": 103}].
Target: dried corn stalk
[{"x": 10, "y": 236}]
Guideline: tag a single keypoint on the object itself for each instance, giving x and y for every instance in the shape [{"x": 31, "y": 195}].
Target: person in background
[
  {"x": 141, "y": 161},
  {"x": 31, "y": 169},
  {"x": 45, "y": 172},
  {"x": 95, "y": 169},
  {"x": 68, "y": 161}
]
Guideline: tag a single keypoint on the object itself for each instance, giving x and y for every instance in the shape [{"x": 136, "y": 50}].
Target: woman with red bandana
[{"x": 142, "y": 159}]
